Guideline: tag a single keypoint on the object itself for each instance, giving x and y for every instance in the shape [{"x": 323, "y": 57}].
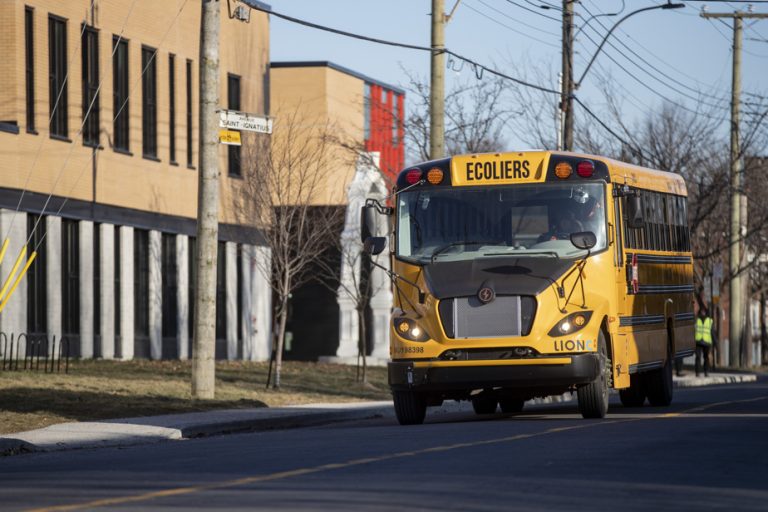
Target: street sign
[
  {"x": 234, "y": 120},
  {"x": 229, "y": 137}
]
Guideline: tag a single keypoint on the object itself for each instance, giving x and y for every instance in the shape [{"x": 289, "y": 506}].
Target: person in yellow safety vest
[{"x": 703, "y": 340}]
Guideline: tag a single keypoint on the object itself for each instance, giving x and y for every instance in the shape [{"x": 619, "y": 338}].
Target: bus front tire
[
  {"x": 410, "y": 407},
  {"x": 593, "y": 397},
  {"x": 659, "y": 384}
]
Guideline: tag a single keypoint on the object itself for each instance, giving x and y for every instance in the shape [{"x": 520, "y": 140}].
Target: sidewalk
[{"x": 130, "y": 431}]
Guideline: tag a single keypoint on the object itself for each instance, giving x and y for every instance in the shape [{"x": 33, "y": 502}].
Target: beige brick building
[
  {"x": 366, "y": 115},
  {"x": 99, "y": 152}
]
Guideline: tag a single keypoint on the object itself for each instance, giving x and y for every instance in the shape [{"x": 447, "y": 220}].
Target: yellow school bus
[{"x": 529, "y": 274}]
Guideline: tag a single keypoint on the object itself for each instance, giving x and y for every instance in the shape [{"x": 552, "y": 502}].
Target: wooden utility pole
[
  {"x": 566, "y": 95},
  {"x": 203, "y": 364},
  {"x": 437, "y": 83},
  {"x": 738, "y": 285}
]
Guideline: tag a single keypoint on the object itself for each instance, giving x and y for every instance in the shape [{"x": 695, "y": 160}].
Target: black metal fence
[{"x": 25, "y": 352}]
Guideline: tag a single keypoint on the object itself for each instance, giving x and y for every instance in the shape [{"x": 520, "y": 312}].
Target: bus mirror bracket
[
  {"x": 368, "y": 219},
  {"x": 634, "y": 205},
  {"x": 374, "y": 244}
]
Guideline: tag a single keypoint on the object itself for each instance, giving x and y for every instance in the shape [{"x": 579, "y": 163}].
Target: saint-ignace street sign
[{"x": 234, "y": 120}]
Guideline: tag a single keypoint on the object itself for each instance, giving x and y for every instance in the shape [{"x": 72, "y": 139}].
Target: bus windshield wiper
[
  {"x": 445, "y": 247},
  {"x": 523, "y": 253}
]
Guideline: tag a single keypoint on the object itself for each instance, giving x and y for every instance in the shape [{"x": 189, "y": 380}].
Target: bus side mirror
[
  {"x": 367, "y": 222},
  {"x": 635, "y": 212},
  {"x": 374, "y": 244},
  {"x": 584, "y": 240}
]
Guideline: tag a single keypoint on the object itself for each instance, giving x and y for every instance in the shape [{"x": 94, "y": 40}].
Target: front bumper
[{"x": 544, "y": 372}]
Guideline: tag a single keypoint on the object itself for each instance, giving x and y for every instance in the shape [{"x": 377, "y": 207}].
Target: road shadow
[{"x": 94, "y": 405}]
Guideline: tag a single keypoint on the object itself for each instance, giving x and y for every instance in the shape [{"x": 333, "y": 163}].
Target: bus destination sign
[{"x": 497, "y": 168}]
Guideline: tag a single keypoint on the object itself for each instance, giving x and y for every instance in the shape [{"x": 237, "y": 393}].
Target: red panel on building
[{"x": 385, "y": 132}]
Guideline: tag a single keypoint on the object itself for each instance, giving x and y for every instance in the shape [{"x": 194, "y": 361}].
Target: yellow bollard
[
  {"x": 10, "y": 277},
  {"x": 18, "y": 278}
]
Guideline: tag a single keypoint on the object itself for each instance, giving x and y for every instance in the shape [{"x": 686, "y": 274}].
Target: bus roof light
[
  {"x": 585, "y": 169},
  {"x": 435, "y": 176},
  {"x": 563, "y": 170},
  {"x": 413, "y": 176}
]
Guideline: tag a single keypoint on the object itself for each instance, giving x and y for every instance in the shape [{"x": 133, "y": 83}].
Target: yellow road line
[{"x": 181, "y": 491}]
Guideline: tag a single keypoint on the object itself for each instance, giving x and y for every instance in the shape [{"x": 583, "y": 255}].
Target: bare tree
[
  {"x": 477, "y": 113},
  {"x": 286, "y": 186},
  {"x": 357, "y": 284}
]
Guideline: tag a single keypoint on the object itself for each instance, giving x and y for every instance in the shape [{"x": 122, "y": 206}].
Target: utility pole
[
  {"x": 738, "y": 286},
  {"x": 203, "y": 364},
  {"x": 437, "y": 83},
  {"x": 559, "y": 115},
  {"x": 566, "y": 95}
]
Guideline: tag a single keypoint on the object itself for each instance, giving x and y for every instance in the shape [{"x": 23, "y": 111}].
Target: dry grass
[{"x": 97, "y": 390}]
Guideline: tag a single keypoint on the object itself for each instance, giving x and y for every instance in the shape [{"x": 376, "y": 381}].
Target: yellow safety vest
[{"x": 704, "y": 330}]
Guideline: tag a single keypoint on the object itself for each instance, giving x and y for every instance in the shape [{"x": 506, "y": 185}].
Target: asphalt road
[{"x": 708, "y": 451}]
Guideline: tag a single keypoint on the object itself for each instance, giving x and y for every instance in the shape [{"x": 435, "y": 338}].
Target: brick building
[
  {"x": 368, "y": 117},
  {"x": 114, "y": 203}
]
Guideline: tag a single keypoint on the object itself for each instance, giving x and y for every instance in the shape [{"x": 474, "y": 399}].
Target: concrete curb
[
  {"x": 689, "y": 380},
  {"x": 13, "y": 446},
  {"x": 144, "y": 430},
  {"x": 153, "y": 429}
]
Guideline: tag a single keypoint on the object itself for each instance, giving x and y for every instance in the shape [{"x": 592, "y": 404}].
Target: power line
[
  {"x": 607, "y": 128},
  {"x": 534, "y": 11},
  {"x": 629, "y": 36},
  {"x": 478, "y": 67},
  {"x": 50, "y": 118},
  {"x": 649, "y": 64},
  {"x": 475, "y": 64},
  {"x": 80, "y": 131},
  {"x": 468, "y": 6},
  {"x": 518, "y": 21},
  {"x": 651, "y": 89}
]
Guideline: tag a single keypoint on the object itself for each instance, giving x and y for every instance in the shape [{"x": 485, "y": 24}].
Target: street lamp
[{"x": 668, "y": 5}]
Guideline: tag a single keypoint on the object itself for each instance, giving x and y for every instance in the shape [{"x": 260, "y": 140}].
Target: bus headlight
[
  {"x": 570, "y": 324},
  {"x": 410, "y": 330}
]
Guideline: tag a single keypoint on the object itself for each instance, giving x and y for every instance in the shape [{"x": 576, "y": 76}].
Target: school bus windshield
[{"x": 535, "y": 220}]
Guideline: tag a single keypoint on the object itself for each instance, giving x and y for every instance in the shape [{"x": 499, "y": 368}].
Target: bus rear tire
[
  {"x": 659, "y": 383},
  {"x": 484, "y": 403},
  {"x": 410, "y": 407},
  {"x": 511, "y": 405},
  {"x": 593, "y": 397},
  {"x": 634, "y": 395}
]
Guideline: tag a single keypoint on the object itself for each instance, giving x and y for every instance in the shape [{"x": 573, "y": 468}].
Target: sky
[{"x": 656, "y": 56}]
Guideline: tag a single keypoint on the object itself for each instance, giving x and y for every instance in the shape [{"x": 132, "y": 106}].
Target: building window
[
  {"x": 120, "y": 94},
  {"x": 221, "y": 301},
  {"x": 367, "y": 112},
  {"x": 192, "y": 266},
  {"x": 141, "y": 292},
  {"x": 91, "y": 105},
  {"x": 29, "y": 64},
  {"x": 169, "y": 291},
  {"x": 57, "y": 74},
  {"x": 149, "y": 102},
  {"x": 98, "y": 349},
  {"x": 70, "y": 283},
  {"x": 233, "y": 103},
  {"x": 117, "y": 266},
  {"x": 172, "y": 107},
  {"x": 37, "y": 320},
  {"x": 190, "y": 162}
]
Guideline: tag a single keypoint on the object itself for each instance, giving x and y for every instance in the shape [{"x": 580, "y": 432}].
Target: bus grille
[{"x": 506, "y": 316}]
